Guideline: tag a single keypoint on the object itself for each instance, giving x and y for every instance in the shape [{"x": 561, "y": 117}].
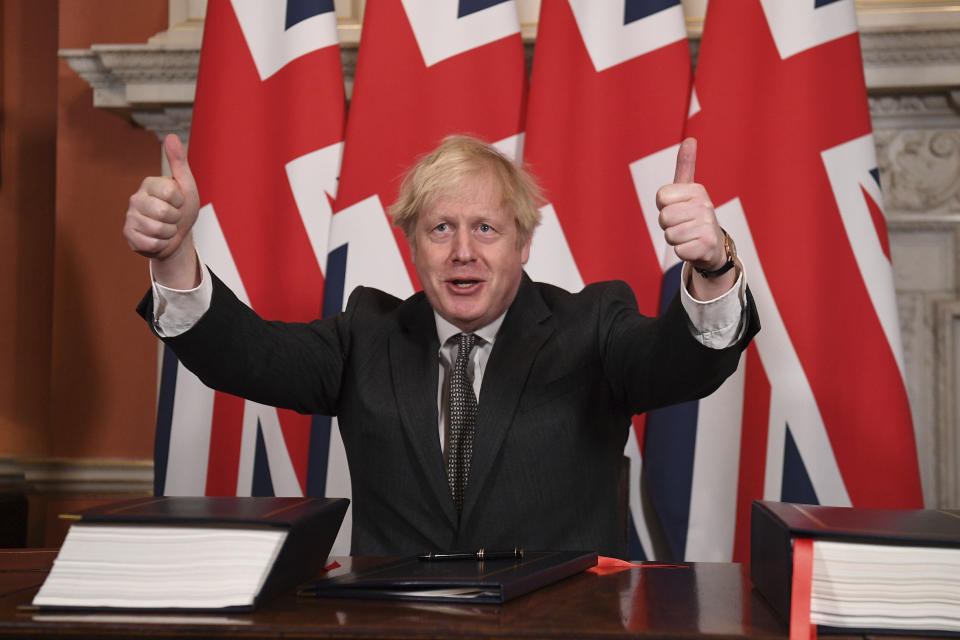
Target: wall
[
  {"x": 77, "y": 369},
  {"x": 27, "y": 159},
  {"x": 102, "y": 367}
]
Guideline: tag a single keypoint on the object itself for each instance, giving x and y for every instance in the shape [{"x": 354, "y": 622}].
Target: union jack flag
[
  {"x": 608, "y": 104},
  {"x": 818, "y": 410},
  {"x": 424, "y": 71},
  {"x": 265, "y": 151}
]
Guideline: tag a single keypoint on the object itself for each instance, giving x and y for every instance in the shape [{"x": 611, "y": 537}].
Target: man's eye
[
  {"x": 485, "y": 228},
  {"x": 441, "y": 227}
]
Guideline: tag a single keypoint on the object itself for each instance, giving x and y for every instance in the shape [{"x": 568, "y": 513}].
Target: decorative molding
[
  {"x": 926, "y": 266},
  {"x": 168, "y": 120},
  {"x": 46, "y": 476},
  {"x": 152, "y": 85},
  {"x": 126, "y": 78},
  {"x": 918, "y": 356},
  {"x": 132, "y": 79},
  {"x": 947, "y": 454},
  {"x": 911, "y": 59},
  {"x": 911, "y": 48},
  {"x": 939, "y": 110},
  {"x": 920, "y": 170}
]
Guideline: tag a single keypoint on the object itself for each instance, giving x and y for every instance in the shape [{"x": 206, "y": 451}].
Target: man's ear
[{"x": 525, "y": 250}]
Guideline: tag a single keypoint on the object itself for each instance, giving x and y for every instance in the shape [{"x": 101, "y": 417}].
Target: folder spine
[{"x": 771, "y": 558}]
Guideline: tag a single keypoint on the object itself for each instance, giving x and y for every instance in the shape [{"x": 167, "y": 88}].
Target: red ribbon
[
  {"x": 800, "y": 626},
  {"x": 607, "y": 565}
]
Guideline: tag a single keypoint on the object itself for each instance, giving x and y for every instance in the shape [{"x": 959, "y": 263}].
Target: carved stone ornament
[
  {"x": 149, "y": 84},
  {"x": 911, "y": 48},
  {"x": 920, "y": 170},
  {"x": 915, "y": 111}
]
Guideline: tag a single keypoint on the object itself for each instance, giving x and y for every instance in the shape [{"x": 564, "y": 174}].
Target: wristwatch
[{"x": 731, "y": 250}]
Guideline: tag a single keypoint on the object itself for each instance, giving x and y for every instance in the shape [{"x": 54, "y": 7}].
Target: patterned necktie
[{"x": 463, "y": 421}]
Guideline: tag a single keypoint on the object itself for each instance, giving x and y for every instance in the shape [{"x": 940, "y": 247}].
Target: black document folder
[
  {"x": 455, "y": 580},
  {"x": 190, "y": 553}
]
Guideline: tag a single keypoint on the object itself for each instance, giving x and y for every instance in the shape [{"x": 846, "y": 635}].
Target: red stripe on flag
[
  {"x": 226, "y": 432},
  {"x": 640, "y": 430},
  {"x": 753, "y": 449},
  {"x": 879, "y": 222}
]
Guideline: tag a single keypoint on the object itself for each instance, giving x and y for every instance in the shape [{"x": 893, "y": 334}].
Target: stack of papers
[
  {"x": 883, "y": 586},
  {"x": 161, "y": 566}
]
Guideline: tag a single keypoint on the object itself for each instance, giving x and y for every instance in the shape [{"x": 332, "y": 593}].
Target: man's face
[{"x": 466, "y": 254}]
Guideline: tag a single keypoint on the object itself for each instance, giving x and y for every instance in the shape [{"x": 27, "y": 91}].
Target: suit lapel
[
  {"x": 415, "y": 370},
  {"x": 525, "y": 328}
]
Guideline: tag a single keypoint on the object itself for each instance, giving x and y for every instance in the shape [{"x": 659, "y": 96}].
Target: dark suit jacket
[{"x": 566, "y": 374}]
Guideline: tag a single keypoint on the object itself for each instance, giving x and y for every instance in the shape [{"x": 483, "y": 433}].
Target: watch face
[{"x": 729, "y": 246}]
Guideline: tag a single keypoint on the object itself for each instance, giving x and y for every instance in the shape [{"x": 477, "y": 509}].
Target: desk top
[{"x": 689, "y": 600}]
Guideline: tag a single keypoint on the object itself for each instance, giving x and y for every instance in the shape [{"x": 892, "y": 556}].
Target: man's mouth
[{"x": 463, "y": 284}]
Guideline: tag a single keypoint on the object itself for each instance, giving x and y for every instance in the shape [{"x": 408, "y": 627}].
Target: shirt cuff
[
  {"x": 175, "y": 311},
  {"x": 716, "y": 323}
]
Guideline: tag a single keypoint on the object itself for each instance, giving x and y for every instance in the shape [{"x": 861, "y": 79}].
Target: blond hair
[{"x": 457, "y": 159}]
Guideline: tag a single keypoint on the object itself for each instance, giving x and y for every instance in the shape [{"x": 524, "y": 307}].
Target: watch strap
[{"x": 729, "y": 264}]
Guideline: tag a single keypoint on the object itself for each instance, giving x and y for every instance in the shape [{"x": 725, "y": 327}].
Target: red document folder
[{"x": 775, "y": 526}]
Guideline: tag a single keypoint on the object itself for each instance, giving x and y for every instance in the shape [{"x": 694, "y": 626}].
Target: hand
[
  {"x": 160, "y": 217},
  {"x": 687, "y": 217}
]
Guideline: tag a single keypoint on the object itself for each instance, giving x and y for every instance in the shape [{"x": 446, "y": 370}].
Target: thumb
[
  {"x": 686, "y": 161},
  {"x": 177, "y": 159}
]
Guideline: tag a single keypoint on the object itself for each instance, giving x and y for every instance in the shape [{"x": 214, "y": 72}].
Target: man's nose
[{"x": 463, "y": 247}]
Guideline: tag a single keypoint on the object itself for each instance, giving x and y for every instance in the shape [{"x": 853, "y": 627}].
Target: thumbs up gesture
[
  {"x": 160, "y": 218},
  {"x": 690, "y": 224}
]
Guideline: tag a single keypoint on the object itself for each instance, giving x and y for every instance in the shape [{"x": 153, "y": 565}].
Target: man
[{"x": 487, "y": 410}]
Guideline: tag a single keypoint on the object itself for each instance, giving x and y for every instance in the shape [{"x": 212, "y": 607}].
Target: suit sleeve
[
  {"x": 656, "y": 362},
  {"x": 296, "y": 366}
]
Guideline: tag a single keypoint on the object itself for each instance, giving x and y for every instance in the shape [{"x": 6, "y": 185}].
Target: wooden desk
[{"x": 688, "y": 601}]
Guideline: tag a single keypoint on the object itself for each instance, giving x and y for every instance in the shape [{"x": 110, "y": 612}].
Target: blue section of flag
[
  {"x": 262, "y": 480},
  {"x": 668, "y": 454},
  {"x": 466, "y": 7},
  {"x": 669, "y": 287},
  {"x": 822, "y": 3},
  {"x": 796, "y": 481},
  {"x": 161, "y": 439},
  {"x": 875, "y": 173},
  {"x": 634, "y": 10},
  {"x": 668, "y": 451},
  {"x": 335, "y": 279},
  {"x": 300, "y": 10}
]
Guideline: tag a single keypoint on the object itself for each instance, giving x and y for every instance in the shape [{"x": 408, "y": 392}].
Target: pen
[{"x": 481, "y": 554}]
